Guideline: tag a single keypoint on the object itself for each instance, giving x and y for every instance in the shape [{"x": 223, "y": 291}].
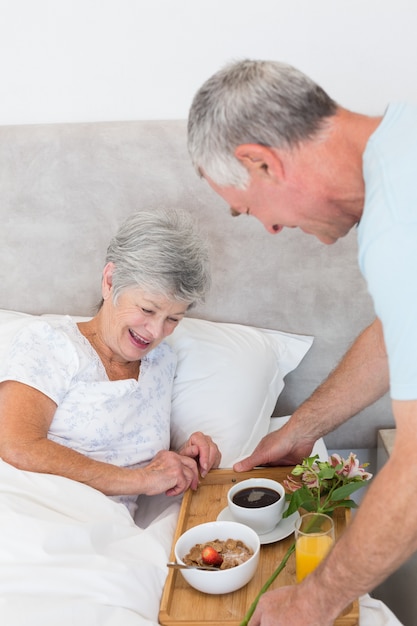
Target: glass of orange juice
[{"x": 314, "y": 536}]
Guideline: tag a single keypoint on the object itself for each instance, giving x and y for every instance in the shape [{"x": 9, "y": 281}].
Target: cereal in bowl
[{"x": 221, "y": 554}]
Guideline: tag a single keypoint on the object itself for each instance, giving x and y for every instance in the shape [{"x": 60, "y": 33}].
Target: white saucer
[{"x": 282, "y": 530}]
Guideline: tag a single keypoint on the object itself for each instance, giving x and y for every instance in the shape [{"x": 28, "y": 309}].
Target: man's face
[{"x": 291, "y": 203}]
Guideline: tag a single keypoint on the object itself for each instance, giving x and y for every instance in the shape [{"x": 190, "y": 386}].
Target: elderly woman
[{"x": 91, "y": 401}]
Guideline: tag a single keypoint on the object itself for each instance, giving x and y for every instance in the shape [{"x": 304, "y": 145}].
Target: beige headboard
[{"x": 64, "y": 189}]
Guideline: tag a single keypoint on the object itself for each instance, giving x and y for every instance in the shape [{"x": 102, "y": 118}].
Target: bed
[{"x": 279, "y": 316}]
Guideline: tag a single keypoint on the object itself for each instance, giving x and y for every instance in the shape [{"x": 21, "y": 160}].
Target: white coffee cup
[{"x": 248, "y": 502}]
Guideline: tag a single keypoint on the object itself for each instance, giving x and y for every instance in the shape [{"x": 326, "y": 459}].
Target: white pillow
[
  {"x": 14, "y": 321},
  {"x": 227, "y": 383}
]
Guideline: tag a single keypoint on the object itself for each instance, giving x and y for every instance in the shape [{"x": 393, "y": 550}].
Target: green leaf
[
  {"x": 346, "y": 490},
  {"x": 346, "y": 504},
  {"x": 298, "y": 470},
  {"x": 310, "y": 505},
  {"x": 300, "y": 498},
  {"x": 326, "y": 473}
]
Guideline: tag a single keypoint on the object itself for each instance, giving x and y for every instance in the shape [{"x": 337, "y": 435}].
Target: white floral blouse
[{"x": 124, "y": 422}]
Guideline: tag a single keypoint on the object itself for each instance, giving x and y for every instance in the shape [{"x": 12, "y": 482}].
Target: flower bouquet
[{"x": 318, "y": 486}]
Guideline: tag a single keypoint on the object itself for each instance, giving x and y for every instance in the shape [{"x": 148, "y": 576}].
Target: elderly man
[{"x": 274, "y": 145}]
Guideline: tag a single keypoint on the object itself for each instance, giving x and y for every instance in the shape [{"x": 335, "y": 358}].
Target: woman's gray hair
[
  {"x": 262, "y": 102},
  {"x": 162, "y": 252}
]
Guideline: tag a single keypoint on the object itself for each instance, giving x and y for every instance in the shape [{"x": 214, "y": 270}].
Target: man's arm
[
  {"x": 384, "y": 524},
  {"x": 358, "y": 381}
]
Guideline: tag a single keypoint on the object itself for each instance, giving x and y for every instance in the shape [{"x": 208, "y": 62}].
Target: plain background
[{"x": 98, "y": 60}]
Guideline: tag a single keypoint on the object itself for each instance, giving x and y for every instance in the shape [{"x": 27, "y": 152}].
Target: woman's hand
[
  {"x": 202, "y": 448},
  {"x": 169, "y": 473}
]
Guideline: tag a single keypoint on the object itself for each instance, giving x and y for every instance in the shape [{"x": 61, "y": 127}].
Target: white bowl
[{"x": 219, "y": 581}]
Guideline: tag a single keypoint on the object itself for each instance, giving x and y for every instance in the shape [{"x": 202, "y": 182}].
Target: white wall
[{"x": 86, "y": 60}]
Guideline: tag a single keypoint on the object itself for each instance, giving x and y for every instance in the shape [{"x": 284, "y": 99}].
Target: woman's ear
[
  {"x": 107, "y": 281},
  {"x": 260, "y": 160}
]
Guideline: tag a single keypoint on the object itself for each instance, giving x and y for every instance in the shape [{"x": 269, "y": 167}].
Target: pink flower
[
  {"x": 291, "y": 484},
  {"x": 310, "y": 479},
  {"x": 350, "y": 467},
  {"x": 313, "y": 475},
  {"x": 335, "y": 460}
]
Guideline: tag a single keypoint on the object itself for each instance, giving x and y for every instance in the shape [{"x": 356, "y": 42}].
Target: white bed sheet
[{"x": 70, "y": 555}]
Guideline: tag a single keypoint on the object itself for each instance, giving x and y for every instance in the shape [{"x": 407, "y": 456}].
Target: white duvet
[{"x": 69, "y": 556}]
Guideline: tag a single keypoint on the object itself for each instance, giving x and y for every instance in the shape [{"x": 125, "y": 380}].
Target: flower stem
[{"x": 266, "y": 586}]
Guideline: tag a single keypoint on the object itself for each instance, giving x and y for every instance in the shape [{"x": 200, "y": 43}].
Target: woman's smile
[{"x": 139, "y": 341}]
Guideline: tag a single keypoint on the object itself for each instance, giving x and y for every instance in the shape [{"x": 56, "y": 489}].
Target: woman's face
[{"x": 138, "y": 322}]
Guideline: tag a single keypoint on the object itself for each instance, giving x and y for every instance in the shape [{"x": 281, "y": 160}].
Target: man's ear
[
  {"x": 260, "y": 160},
  {"x": 107, "y": 280}
]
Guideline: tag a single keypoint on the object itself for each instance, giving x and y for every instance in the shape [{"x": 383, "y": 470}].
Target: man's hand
[
  {"x": 288, "y": 606},
  {"x": 286, "y": 446}
]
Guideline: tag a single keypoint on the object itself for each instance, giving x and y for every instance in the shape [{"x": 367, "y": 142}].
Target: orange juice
[{"x": 310, "y": 550}]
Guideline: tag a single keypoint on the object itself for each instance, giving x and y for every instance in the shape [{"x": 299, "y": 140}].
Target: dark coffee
[{"x": 255, "y": 497}]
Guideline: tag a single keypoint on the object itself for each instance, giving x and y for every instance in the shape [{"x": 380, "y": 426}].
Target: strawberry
[{"x": 210, "y": 556}]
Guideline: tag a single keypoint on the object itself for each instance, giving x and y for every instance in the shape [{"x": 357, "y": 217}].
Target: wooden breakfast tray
[{"x": 181, "y": 605}]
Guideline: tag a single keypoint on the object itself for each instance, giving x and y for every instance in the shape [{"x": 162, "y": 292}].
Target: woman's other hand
[{"x": 202, "y": 448}]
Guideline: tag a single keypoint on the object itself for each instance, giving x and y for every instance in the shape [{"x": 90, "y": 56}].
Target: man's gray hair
[
  {"x": 261, "y": 102},
  {"x": 163, "y": 253}
]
